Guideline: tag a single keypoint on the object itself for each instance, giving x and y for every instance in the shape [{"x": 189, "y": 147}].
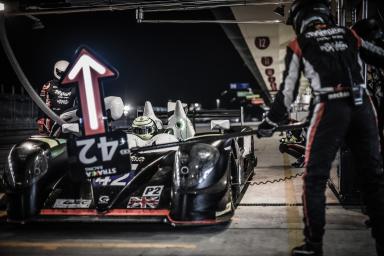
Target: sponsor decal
[
  {"x": 262, "y": 42},
  {"x": 326, "y": 32},
  {"x": 134, "y": 167},
  {"x": 103, "y": 199},
  {"x": 137, "y": 159},
  {"x": 124, "y": 152},
  {"x": 267, "y": 61},
  {"x": 153, "y": 191},
  {"x": 72, "y": 203},
  {"x": 334, "y": 46},
  {"x": 338, "y": 95},
  {"x": 143, "y": 202},
  {"x": 97, "y": 171}
]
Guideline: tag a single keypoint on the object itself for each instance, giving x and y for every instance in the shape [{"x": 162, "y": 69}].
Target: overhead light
[
  {"x": 126, "y": 109},
  {"x": 279, "y": 10},
  {"x": 139, "y": 15},
  {"x": 1, "y": 7}
]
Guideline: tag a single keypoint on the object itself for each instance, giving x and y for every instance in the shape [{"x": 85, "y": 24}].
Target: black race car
[{"x": 198, "y": 181}]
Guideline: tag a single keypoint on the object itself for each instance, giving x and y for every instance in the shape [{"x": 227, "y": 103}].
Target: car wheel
[{"x": 234, "y": 179}]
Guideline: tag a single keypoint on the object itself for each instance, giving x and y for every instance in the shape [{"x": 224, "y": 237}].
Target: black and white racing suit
[
  {"x": 58, "y": 98},
  {"x": 330, "y": 59}
]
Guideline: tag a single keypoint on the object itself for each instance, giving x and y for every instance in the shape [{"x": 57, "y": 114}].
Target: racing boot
[
  {"x": 299, "y": 162},
  {"x": 308, "y": 248}
]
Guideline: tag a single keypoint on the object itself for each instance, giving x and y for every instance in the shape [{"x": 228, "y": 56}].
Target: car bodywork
[{"x": 198, "y": 182}]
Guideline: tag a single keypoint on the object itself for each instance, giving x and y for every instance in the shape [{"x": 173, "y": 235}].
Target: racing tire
[{"x": 234, "y": 189}]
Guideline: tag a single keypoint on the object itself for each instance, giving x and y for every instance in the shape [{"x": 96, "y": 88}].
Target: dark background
[{"x": 156, "y": 62}]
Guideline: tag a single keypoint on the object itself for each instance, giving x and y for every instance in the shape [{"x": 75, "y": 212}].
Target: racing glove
[{"x": 266, "y": 128}]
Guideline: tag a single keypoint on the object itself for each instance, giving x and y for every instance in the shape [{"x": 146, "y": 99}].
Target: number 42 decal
[
  {"x": 108, "y": 181},
  {"x": 108, "y": 149}
]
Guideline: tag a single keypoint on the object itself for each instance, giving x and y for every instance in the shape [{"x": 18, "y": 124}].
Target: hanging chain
[{"x": 264, "y": 182}]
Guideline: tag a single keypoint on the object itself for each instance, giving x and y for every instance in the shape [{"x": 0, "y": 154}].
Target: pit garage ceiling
[
  {"x": 266, "y": 42},
  {"x": 260, "y": 42}
]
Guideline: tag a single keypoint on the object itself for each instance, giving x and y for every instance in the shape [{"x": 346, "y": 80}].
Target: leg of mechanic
[
  {"x": 365, "y": 145},
  {"x": 329, "y": 124}
]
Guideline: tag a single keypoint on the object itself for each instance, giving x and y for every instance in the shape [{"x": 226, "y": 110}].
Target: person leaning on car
[
  {"x": 59, "y": 99},
  {"x": 329, "y": 56}
]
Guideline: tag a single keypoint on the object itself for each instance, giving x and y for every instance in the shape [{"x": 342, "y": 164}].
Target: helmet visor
[
  {"x": 59, "y": 72},
  {"x": 143, "y": 130}
]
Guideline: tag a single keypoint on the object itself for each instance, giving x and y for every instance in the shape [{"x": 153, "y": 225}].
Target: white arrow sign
[
  {"x": 86, "y": 71},
  {"x": 85, "y": 64}
]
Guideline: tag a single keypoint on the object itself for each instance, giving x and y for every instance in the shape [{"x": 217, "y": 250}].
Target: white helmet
[
  {"x": 60, "y": 68},
  {"x": 144, "y": 127}
]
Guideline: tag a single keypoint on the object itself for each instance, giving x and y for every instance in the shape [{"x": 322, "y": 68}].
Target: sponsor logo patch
[
  {"x": 103, "y": 199},
  {"x": 150, "y": 202},
  {"x": 137, "y": 159},
  {"x": 97, "y": 171},
  {"x": 153, "y": 191},
  {"x": 72, "y": 203}
]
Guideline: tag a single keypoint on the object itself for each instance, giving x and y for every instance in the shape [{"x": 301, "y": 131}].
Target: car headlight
[
  {"x": 194, "y": 168},
  {"x": 37, "y": 168}
]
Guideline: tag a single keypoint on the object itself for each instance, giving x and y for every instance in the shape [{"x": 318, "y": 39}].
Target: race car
[{"x": 192, "y": 179}]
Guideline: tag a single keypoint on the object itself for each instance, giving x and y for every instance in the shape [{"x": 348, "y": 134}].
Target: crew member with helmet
[
  {"x": 329, "y": 56},
  {"x": 58, "y": 98}
]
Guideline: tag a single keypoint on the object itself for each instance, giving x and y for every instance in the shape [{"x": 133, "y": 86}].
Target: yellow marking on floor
[
  {"x": 295, "y": 235},
  {"x": 94, "y": 245}
]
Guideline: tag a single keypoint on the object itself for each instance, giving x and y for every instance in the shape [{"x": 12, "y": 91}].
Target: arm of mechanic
[
  {"x": 41, "y": 116},
  {"x": 369, "y": 52}
]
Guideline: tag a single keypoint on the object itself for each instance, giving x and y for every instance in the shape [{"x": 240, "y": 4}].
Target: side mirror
[
  {"x": 71, "y": 128},
  {"x": 220, "y": 125}
]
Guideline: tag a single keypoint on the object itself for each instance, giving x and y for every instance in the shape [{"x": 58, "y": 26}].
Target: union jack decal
[{"x": 143, "y": 202}]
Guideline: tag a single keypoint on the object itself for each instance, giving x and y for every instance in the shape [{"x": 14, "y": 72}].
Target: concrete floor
[{"x": 254, "y": 230}]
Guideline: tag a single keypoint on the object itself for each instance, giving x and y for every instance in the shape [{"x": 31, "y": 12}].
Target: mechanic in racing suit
[
  {"x": 330, "y": 58},
  {"x": 59, "y": 98}
]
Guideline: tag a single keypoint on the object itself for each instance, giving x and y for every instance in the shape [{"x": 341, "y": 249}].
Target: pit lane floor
[{"x": 254, "y": 230}]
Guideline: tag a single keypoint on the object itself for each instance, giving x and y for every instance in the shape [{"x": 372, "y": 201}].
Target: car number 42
[
  {"x": 108, "y": 181},
  {"x": 107, "y": 148}
]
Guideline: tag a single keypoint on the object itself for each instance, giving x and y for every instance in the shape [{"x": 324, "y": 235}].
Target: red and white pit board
[{"x": 87, "y": 70}]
